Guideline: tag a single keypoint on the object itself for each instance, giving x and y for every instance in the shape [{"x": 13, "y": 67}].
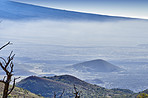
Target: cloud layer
[{"x": 75, "y": 33}]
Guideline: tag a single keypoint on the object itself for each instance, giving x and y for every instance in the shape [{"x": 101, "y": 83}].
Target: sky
[
  {"x": 126, "y": 8},
  {"x": 122, "y": 33}
]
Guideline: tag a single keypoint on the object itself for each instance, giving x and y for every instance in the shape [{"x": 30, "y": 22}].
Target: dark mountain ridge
[
  {"x": 43, "y": 86},
  {"x": 46, "y": 86},
  {"x": 67, "y": 79}
]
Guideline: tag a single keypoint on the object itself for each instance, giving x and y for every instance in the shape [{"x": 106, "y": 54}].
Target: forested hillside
[{"x": 47, "y": 86}]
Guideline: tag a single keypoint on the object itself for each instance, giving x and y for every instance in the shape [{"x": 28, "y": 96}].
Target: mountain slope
[
  {"x": 16, "y": 10},
  {"x": 96, "y": 66},
  {"x": 46, "y": 86},
  {"x": 42, "y": 86},
  {"x": 94, "y": 81},
  {"x": 19, "y": 93}
]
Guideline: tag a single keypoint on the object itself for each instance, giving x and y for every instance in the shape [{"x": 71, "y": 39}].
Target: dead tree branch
[
  {"x": 8, "y": 67},
  {"x": 13, "y": 85},
  {"x": 5, "y": 45},
  {"x": 62, "y": 93},
  {"x": 55, "y": 95},
  {"x": 77, "y": 93}
]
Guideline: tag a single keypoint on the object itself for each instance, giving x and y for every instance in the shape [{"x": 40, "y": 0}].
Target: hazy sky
[
  {"x": 122, "y": 33},
  {"x": 127, "y": 8}
]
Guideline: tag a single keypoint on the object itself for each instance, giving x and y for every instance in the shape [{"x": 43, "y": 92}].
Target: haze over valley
[{"x": 46, "y": 45}]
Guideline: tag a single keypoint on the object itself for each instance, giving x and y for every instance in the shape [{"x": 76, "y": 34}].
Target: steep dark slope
[
  {"x": 46, "y": 86},
  {"x": 42, "y": 86},
  {"x": 15, "y": 10},
  {"x": 18, "y": 93},
  {"x": 96, "y": 66}
]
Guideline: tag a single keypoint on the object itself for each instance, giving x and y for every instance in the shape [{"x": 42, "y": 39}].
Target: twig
[{"x": 5, "y": 45}]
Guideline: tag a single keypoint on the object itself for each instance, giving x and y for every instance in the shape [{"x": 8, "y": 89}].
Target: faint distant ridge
[
  {"x": 97, "y": 65},
  {"x": 16, "y": 11},
  {"x": 143, "y": 45}
]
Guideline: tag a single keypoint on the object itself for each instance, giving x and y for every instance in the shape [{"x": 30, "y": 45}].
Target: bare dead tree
[
  {"x": 7, "y": 66},
  {"x": 55, "y": 95},
  {"x": 77, "y": 93},
  {"x": 60, "y": 95}
]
